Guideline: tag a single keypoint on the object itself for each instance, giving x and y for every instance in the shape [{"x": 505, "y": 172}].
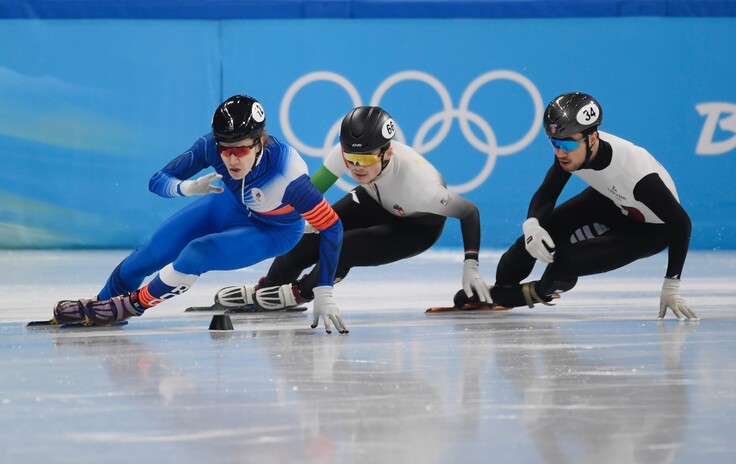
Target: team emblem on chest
[
  {"x": 399, "y": 210},
  {"x": 258, "y": 196}
]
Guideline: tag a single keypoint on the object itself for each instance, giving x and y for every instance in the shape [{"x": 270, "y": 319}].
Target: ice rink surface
[{"x": 594, "y": 379}]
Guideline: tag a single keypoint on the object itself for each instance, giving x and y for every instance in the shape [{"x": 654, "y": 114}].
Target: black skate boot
[
  {"x": 461, "y": 301},
  {"x": 524, "y": 294}
]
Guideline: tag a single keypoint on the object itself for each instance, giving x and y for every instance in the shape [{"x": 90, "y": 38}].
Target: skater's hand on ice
[
  {"x": 473, "y": 282},
  {"x": 325, "y": 306},
  {"x": 671, "y": 298},
  {"x": 538, "y": 242},
  {"x": 201, "y": 186}
]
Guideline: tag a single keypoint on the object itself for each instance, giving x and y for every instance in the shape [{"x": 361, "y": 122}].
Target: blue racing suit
[{"x": 256, "y": 218}]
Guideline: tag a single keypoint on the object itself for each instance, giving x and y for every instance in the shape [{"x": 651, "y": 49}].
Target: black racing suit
[
  {"x": 372, "y": 236},
  {"x": 592, "y": 235}
]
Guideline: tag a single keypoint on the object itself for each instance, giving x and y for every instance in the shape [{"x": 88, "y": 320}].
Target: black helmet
[
  {"x": 237, "y": 118},
  {"x": 365, "y": 129},
  {"x": 571, "y": 113}
]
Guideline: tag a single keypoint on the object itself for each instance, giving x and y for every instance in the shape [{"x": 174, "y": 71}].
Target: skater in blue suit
[{"x": 259, "y": 217}]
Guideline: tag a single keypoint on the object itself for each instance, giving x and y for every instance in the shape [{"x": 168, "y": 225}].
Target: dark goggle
[
  {"x": 362, "y": 159},
  {"x": 566, "y": 145},
  {"x": 240, "y": 152}
]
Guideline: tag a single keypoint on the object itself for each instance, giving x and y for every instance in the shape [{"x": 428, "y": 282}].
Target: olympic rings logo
[{"x": 462, "y": 113}]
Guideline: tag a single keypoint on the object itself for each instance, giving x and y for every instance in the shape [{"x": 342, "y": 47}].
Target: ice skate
[
  {"x": 280, "y": 297},
  {"x": 528, "y": 290},
  {"x": 237, "y": 298},
  {"x": 234, "y": 299},
  {"x": 461, "y": 302},
  {"x": 524, "y": 294},
  {"x": 69, "y": 311},
  {"x": 116, "y": 309}
]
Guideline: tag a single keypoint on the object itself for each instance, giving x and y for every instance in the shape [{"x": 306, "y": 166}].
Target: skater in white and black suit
[
  {"x": 630, "y": 211},
  {"x": 397, "y": 211}
]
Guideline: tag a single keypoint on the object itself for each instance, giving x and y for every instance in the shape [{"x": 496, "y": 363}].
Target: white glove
[
  {"x": 325, "y": 306},
  {"x": 538, "y": 242},
  {"x": 309, "y": 228},
  {"x": 201, "y": 186},
  {"x": 671, "y": 298},
  {"x": 472, "y": 281}
]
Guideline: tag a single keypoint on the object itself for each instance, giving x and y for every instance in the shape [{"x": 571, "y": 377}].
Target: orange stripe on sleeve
[{"x": 321, "y": 216}]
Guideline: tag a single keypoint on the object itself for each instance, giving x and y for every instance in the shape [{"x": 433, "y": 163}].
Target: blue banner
[
  {"x": 470, "y": 95},
  {"x": 91, "y": 109}
]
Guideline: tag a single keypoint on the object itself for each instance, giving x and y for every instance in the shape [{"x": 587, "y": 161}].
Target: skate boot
[
  {"x": 280, "y": 297},
  {"x": 69, "y": 311},
  {"x": 113, "y": 310},
  {"x": 238, "y": 298},
  {"x": 530, "y": 295},
  {"x": 525, "y": 294},
  {"x": 461, "y": 300}
]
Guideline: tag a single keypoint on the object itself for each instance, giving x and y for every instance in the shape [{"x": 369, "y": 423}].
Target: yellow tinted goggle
[{"x": 361, "y": 159}]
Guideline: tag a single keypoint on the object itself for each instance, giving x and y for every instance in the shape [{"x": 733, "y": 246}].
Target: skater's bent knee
[{"x": 564, "y": 285}]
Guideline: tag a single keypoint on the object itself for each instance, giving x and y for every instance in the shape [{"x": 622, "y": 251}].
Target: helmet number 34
[{"x": 588, "y": 114}]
